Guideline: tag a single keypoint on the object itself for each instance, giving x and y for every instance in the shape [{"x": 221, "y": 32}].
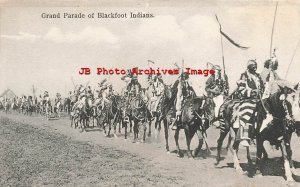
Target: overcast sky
[{"x": 48, "y": 53}]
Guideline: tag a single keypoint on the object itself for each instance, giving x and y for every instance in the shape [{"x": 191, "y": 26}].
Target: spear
[
  {"x": 273, "y": 30},
  {"x": 73, "y": 82}
]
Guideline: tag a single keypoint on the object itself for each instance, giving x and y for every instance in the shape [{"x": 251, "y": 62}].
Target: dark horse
[
  {"x": 279, "y": 131},
  {"x": 139, "y": 114},
  {"x": 113, "y": 113},
  {"x": 196, "y": 112}
]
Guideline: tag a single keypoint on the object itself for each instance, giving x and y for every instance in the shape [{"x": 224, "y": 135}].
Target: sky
[{"x": 48, "y": 53}]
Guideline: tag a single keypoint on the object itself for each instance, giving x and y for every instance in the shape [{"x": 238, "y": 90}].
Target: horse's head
[
  {"x": 168, "y": 91},
  {"x": 284, "y": 91}
]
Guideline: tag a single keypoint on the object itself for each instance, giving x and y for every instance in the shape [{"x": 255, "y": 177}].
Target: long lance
[
  {"x": 33, "y": 91},
  {"x": 287, "y": 72},
  {"x": 222, "y": 47},
  {"x": 182, "y": 66},
  {"x": 73, "y": 82},
  {"x": 271, "y": 45}
]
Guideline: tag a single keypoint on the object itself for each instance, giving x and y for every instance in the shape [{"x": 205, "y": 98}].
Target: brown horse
[{"x": 195, "y": 119}]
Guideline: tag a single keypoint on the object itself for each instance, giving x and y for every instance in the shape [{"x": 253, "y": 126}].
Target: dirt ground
[{"x": 38, "y": 152}]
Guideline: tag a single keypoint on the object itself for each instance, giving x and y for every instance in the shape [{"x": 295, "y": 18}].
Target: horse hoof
[
  {"x": 168, "y": 152},
  {"x": 149, "y": 135},
  {"x": 115, "y": 136},
  {"x": 217, "y": 163}
]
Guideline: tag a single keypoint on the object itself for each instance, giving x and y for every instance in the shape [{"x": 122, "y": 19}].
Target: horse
[
  {"x": 196, "y": 112},
  {"x": 80, "y": 114},
  {"x": 250, "y": 111},
  {"x": 133, "y": 111},
  {"x": 162, "y": 112},
  {"x": 58, "y": 108},
  {"x": 94, "y": 115},
  {"x": 29, "y": 108},
  {"x": 47, "y": 108},
  {"x": 125, "y": 113},
  {"x": 234, "y": 113},
  {"x": 279, "y": 131},
  {"x": 110, "y": 114},
  {"x": 7, "y": 105},
  {"x": 67, "y": 105}
]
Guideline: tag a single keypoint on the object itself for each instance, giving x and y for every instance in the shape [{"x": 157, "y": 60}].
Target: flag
[
  {"x": 151, "y": 61},
  {"x": 228, "y": 38}
]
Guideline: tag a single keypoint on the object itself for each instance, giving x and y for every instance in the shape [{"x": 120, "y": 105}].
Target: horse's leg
[
  {"x": 109, "y": 127},
  {"x": 120, "y": 124},
  {"x": 145, "y": 129},
  {"x": 223, "y": 134},
  {"x": 71, "y": 121},
  {"x": 234, "y": 149},
  {"x": 176, "y": 136},
  {"x": 115, "y": 128},
  {"x": 287, "y": 169},
  {"x": 200, "y": 137},
  {"x": 135, "y": 131},
  {"x": 166, "y": 127},
  {"x": 188, "y": 141},
  {"x": 82, "y": 124},
  {"x": 260, "y": 149},
  {"x": 290, "y": 153},
  {"x": 130, "y": 126},
  {"x": 149, "y": 133},
  {"x": 115, "y": 125},
  {"x": 228, "y": 143},
  {"x": 104, "y": 128},
  {"x": 250, "y": 163},
  {"x": 157, "y": 126},
  {"x": 125, "y": 124}
]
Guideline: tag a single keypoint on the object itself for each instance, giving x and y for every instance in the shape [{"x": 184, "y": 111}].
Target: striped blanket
[{"x": 237, "y": 112}]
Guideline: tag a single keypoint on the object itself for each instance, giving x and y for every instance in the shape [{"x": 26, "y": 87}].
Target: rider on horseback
[
  {"x": 184, "y": 90},
  {"x": 134, "y": 87},
  {"x": 270, "y": 76},
  {"x": 46, "y": 101},
  {"x": 250, "y": 86},
  {"x": 216, "y": 87},
  {"x": 106, "y": 92},
  {"x": 58, "y": 98},
  {"x": 157, "y": 92},
  {"x": 57, "y": 102}
]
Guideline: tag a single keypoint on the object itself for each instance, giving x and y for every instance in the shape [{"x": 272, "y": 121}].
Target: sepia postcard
[{"x": 150, "y": 93}]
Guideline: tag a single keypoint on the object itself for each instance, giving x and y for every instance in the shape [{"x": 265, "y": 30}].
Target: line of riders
[
  {"x": 32, "y": 104},
  {"x": 258, "y": 109}
]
